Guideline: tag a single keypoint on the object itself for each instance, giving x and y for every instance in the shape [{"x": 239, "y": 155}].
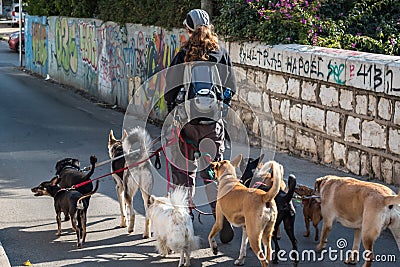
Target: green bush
[{"x": 363, "y": 25}]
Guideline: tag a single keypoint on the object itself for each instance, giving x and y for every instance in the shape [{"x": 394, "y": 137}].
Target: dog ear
[
  {"x": 151, "y": 200},
  {"x": 54, "y": 181},
  {"x": 111, "y": 137},
  {"x": 236, "y": 160},
  {"x": 124, "y": 135},
  {"x": 261, "y": 158}
]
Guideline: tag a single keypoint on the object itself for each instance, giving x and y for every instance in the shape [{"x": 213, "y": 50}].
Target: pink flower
[{"x": 353, "y": 45}]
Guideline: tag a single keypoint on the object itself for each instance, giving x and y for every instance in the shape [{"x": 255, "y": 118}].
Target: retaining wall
[{"x": 336, "y": 107}]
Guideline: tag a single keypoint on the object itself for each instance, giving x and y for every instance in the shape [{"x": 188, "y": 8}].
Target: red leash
[{"x": 117, "y": 171}]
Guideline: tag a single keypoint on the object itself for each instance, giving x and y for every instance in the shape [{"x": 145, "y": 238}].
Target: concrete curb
[{"x": 4, "y": 262}]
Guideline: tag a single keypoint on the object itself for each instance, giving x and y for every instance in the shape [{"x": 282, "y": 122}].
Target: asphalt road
[{"x": 42, "y": 122}]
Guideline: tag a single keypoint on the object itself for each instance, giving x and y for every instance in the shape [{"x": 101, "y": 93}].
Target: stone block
[
  {"x": 361, "y": 104},
  {"x": 295, "y": 113},
  {"x": 394, "y": 140},
  {"x": 293, "y": 88},
  {"x": 353, "y": 162},
  {"x": 396, "y": 176},
  {"x": 333, "y": 123},
  {"x": 285, "y": 109},
  {"x": 328, "y": 156},
  {"x": 376, "y": 167},
  {"x": 306, "y": 144},
  {"x": 339, "y": 154},
  {"x": 387, "y": 171},
  {"x": 280, "y": 133},
  {"x": 277, "y": 84},
  {"x": 365, "y": 165},
  {"x": 372, "y": 106},
  {"x": 290, "y": 138},
  {"x": 276, "y": 105},
  {"x": 352, "y": 130},
  {"x": 308, "y": 91},
  {"x": 329, "y": 96},
  {"x": 346, "y": 99},
  {"x": 267, "y": 108},
  {"x": 396, "y": 118},
  {"x": 385, "y": 109},
  {"x": 313, "y": 117},
  {"x": 254, "y": 99},
  {"x": 373, "y": 135}
]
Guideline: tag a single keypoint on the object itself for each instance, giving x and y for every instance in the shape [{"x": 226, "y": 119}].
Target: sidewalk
[
  {"x": 6, "y": 29},
  {"x": 4, "y": 262}
]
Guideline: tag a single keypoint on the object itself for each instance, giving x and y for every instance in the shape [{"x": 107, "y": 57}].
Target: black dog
[
  {"x": 68, "y": 174},
  {"x": 70, "y": 202},
  {"x": 286, "y": 212}
]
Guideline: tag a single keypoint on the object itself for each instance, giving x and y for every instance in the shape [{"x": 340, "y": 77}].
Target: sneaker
[{"x": 226, "y": 233}]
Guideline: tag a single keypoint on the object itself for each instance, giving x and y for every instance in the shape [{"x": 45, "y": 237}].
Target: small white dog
[{"x": 172, "y": 225}]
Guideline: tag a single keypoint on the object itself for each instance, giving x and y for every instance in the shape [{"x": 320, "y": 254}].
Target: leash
[
  {"x": 135, "y": 164},
  {"x": 88, "y": 168}
]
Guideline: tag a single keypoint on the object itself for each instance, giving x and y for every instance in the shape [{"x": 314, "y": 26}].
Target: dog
[
  {"x": 70, "y": 202},
  {"x": 252, "y": 209},
  {"x": 286, "y": 212},
  {"x": 172, "y": 225},
  {"x": 138, "y": 177},
  {"x": 68, "y": 174},
  {"x": 311, "y": 209},
  {"x": 366, "y": 207}
]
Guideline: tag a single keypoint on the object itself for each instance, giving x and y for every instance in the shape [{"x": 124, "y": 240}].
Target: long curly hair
[{"x": 202, "y": 41}]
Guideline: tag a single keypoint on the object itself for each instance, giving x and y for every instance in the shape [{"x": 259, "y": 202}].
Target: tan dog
[
  {"x": 311, "y": 209},
  {"x": 365, "y": 206},
  {"x": 252, "y": 209}
]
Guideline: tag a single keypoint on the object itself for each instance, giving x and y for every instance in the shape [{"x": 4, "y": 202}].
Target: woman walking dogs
[{"x": 200, "y": 84}]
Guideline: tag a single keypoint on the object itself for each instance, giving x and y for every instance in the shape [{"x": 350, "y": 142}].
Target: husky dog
[
  {"x": 136, "y": 177},
  {"x": 172, "y": 225}
]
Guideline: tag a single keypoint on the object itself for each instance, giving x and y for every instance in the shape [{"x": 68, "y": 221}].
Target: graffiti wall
[
  {"x": 36, "y": 54},
  {"x": 105, "y": 59}
]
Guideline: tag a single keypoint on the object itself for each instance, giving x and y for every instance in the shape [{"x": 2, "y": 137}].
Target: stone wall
[{"x": 336, "y": 107}]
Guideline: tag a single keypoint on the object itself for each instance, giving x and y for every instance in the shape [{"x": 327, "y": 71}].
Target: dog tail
[
  {"x": 79, "y": 203},
  {"x": 93, "y": 161},
  {"x": 276, "y": 171},
  {"x": 292, "y": 182},
  {"x": 137, "y": 136},
  {"x": 179, "y": 197},
  {"x": 393, "y": 200}
]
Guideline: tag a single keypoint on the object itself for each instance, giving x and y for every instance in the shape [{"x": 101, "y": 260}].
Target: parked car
[
  {"x": 13, "y": 41},
  {"x": 15, "y": 16}
]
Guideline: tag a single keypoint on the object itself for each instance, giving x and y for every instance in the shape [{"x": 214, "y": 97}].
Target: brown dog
[
  {"x": 365, "y": 206},
  {"x": 311, "y": 209},
  {"x": 252, "y": 209}
]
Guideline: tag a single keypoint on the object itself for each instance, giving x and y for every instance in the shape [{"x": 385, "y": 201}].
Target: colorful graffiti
[
  {"x": 39, "y": 44},
  {"x": 88, "y": 44},
  {"x": 66, "y": 45}
]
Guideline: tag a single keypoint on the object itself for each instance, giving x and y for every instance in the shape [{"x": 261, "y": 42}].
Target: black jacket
[{"x": 174, "y": 75}]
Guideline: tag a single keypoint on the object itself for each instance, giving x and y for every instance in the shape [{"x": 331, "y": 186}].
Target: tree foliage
[{"x": 363, "y": 25}]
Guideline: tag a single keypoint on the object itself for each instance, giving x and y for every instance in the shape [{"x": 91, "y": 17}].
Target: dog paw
[
  {"x": 306, "y": 234},
  {"x": 320, "y": 247},
  {"x": 146, "y": 236},
  {"x": 239, "y": 262},
  {"x": 350, "y": 261},
  {"x": 214, "y": 250},
  {"x": 93, "y": 159}
]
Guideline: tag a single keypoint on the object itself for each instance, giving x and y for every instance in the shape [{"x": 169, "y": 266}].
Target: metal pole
[{"x": 20, "y": 33}]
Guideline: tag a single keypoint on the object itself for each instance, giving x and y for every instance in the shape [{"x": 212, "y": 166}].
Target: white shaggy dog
[{"x": 172, "y": 225}]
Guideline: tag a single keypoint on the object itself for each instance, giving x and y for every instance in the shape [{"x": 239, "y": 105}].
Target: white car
[{"x": 15, "y": 16}]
